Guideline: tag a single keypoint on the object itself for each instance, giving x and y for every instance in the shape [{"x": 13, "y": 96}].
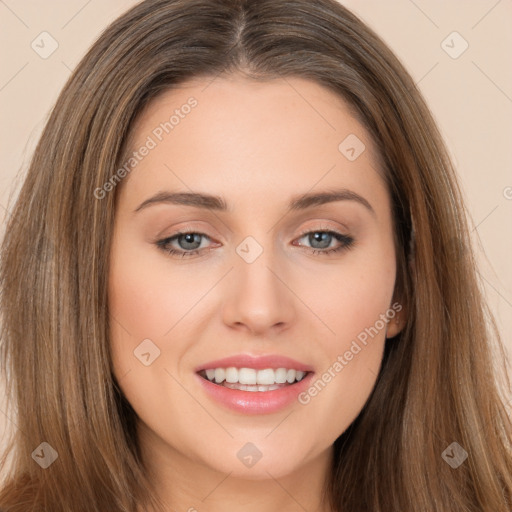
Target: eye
[
  {"x": 189, "y": 243},
  {"x": 321, "y": 241}
]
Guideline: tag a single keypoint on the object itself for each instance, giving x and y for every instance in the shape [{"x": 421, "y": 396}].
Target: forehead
[{"x": 242, "y": 137}]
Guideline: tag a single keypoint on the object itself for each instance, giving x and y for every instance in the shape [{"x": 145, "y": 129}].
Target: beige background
[{"x": 470, "y": 96}]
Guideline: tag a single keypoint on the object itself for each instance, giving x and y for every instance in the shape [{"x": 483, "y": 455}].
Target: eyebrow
[{"x": 217, "y": 203}]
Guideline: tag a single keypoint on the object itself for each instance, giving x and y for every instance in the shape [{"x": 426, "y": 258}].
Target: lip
[
  {"x": 255, "y": 402},
  {"x": 257, "y": 362}
]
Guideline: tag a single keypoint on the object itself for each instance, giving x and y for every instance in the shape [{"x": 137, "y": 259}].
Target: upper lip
[{"x": 257, "y": 362}]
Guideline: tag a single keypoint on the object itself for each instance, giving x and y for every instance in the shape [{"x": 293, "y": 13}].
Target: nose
[{"x": 259, "y": 299}]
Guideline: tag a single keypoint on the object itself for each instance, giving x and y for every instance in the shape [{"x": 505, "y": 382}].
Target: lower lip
[{"x": 255, "y": 402}]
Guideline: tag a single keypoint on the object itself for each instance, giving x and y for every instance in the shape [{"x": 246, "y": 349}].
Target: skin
[{"x": 257, "y": 145}]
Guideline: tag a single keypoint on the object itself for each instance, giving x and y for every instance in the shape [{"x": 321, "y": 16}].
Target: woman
[{"x": 177, "y": 335}]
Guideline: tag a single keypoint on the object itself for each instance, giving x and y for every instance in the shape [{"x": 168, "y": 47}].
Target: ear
[
  {"x": 398, "y": 321},
  {"x": 398, "y": 305}
]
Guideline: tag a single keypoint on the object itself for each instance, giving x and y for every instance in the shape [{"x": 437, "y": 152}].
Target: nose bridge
[
  {"x": 257, "y": 296},
  {"x": 253, "y": 268}
]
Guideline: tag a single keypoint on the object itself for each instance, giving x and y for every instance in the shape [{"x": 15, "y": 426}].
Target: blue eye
[
  {"x": 322, "y": 240},
  {"x": 189, "y": 243}
]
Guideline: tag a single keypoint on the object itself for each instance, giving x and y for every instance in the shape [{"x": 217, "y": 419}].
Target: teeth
[
  {"x": 231, "y": 375},
  {"x": 220, "y": 375},
  {"x": 281, "y": 375},
  {"x": 244, "y": 387},
  {"x": 266, "y": 377},
  {"x": 251, "y": 379},
  {"x": 248, "y": 376},
  {"x": 290, "y": 376}
]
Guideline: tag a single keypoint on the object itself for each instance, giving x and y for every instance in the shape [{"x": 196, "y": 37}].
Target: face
[{"x": 271, "y": 273}]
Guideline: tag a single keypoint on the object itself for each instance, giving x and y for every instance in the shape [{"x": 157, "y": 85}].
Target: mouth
[
  {"x": 249, "y": 390},
  {"x": 252, "y": 379},
  {"x": 254, "y": 384}
]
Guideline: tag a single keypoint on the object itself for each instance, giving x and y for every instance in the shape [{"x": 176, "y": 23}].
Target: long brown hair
[{"x": 437, "y": 384}]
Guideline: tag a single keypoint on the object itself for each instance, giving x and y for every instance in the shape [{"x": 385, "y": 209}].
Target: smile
[
  {"x": 252, "y": 391},
  {"x": 251, "y": 379}
]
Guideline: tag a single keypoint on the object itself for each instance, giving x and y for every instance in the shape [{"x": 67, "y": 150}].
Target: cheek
[
  {"x": 147, "y": 300},
  {"x": 147, "y": 296},
  {"x": 353, "y": 304},
  {"x": 351, "y": 297},
  {"x": 353, "y": 308}
]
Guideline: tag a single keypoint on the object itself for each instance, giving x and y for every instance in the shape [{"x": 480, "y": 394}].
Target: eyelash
[{"x": 347, "y": 243}]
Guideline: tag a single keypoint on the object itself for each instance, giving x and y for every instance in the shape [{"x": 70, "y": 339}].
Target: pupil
[
  {"x": 191, "y": 238},
  {"x": 322, "y": 237}
]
